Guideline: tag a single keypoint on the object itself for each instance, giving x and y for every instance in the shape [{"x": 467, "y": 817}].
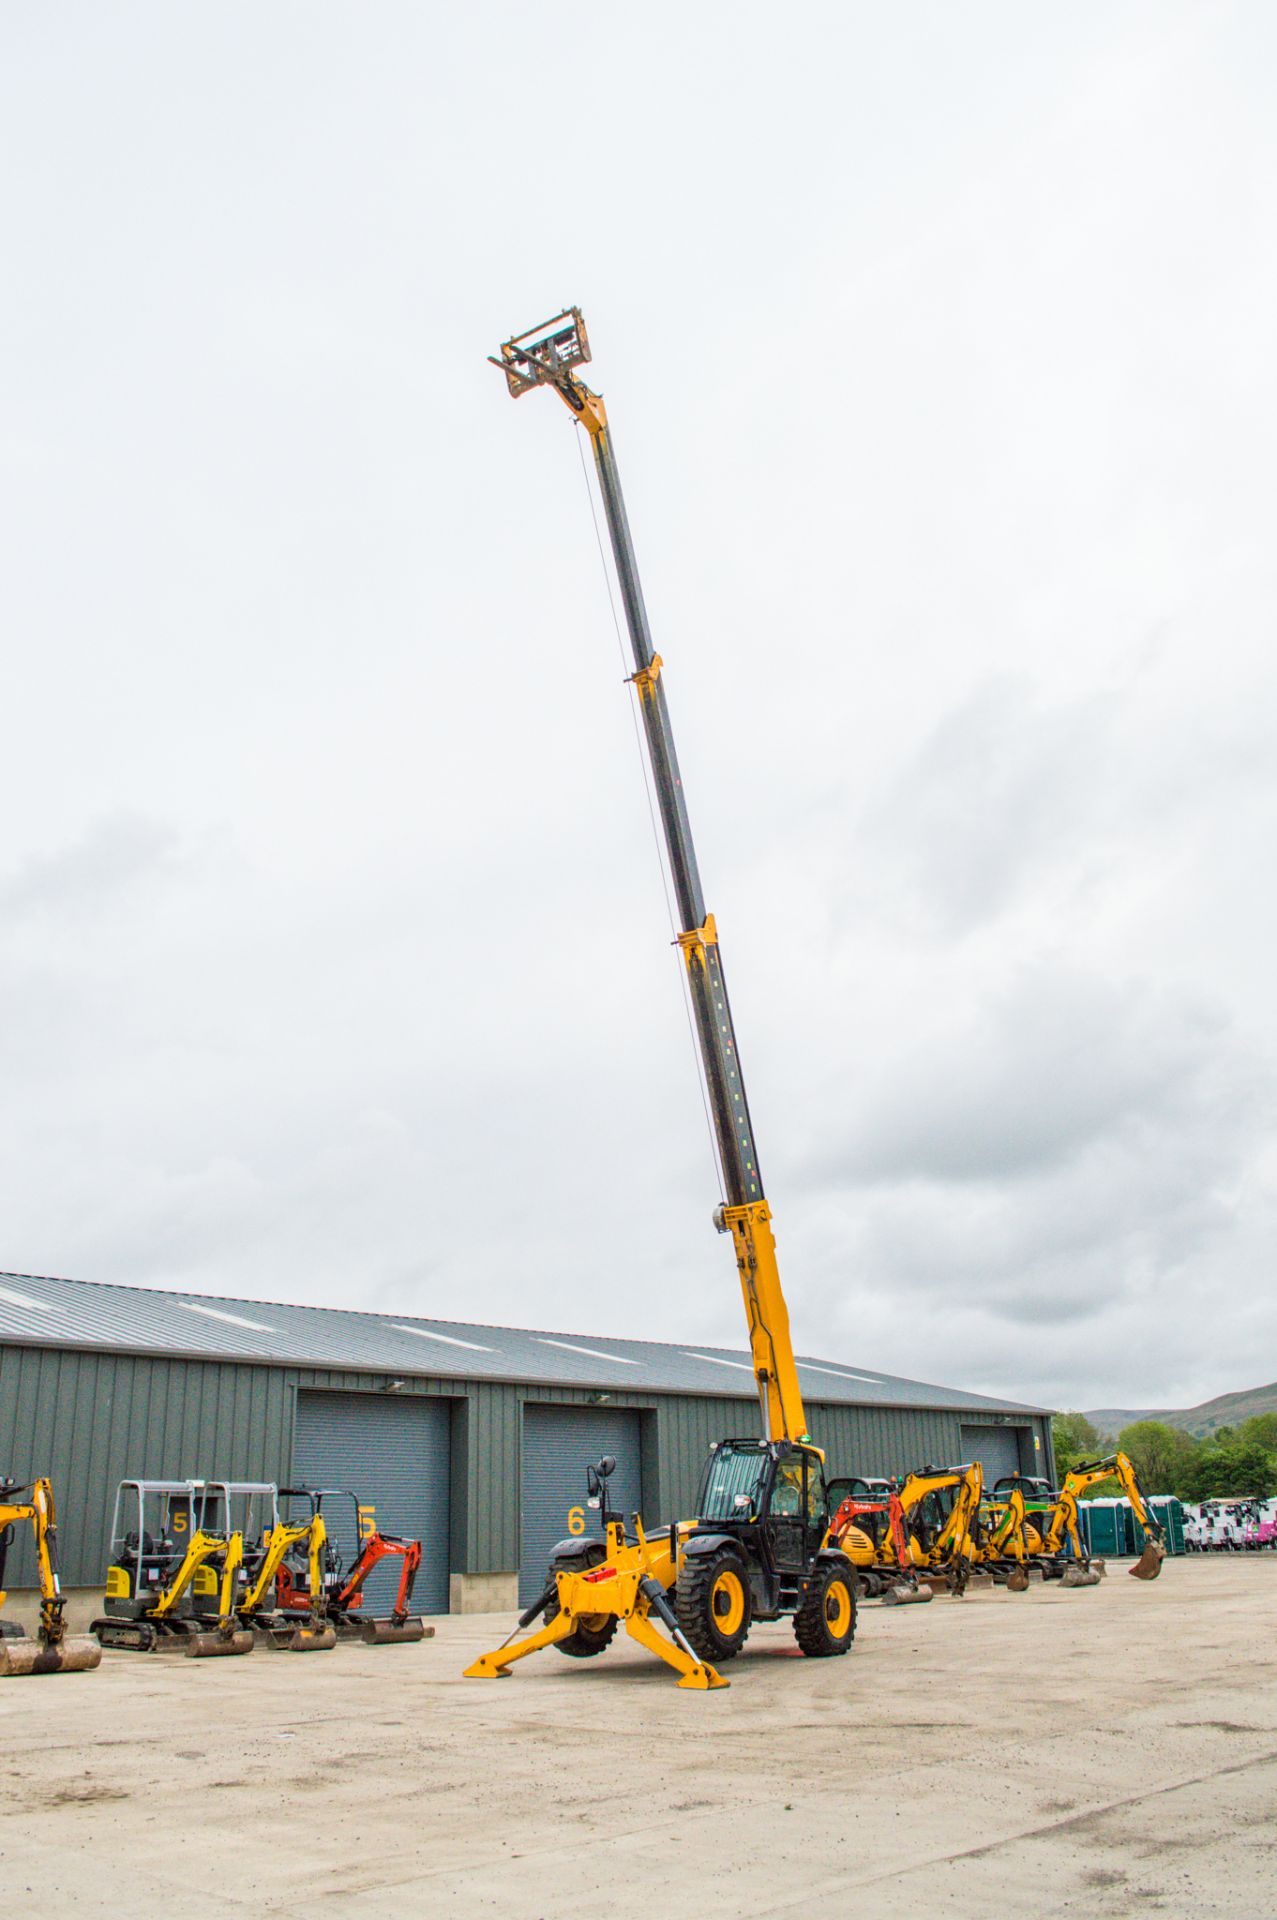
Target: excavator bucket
[
  {"x": 393, "y": 1633},
  {"x": 1017, "y": 1580},
  {"x": 901, "y": 1594},
  {"x": 1149, "y": 1564},
  {"x": 215, "y": 1646},
  {"x": 300, "y": 1638},
  {"x": 75, "y": 1653},
  {"x": 1075, "y": 1575}
]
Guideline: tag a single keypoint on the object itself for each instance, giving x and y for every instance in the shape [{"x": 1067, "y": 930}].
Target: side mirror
[{"x": 606, "y": 1467}]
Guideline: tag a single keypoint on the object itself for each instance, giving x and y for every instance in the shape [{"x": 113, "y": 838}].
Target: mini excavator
[
  {"x": 256, "y": 1607},
  {"x": 759, "y": 1548},
  {"x": 174, "y": 1574},
  {"x": 1000, "y": 1541},
  {"x": 940, "y": 1543},
  {"x": 1062, "y": 1524},
  {"x": 342, "y": 1588},
  {"x": 869, "y": 1526},
  {"x": 53, "y": 1649}
]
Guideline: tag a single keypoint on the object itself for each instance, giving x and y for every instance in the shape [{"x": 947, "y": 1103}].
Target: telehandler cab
[
  {"x": 53, "y": 1650},
  {"x": 175, "y": 1563},
  {"x": 759, "y": 1547}
]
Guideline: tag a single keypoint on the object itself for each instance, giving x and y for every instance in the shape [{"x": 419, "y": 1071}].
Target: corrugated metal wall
[{"x": 90, "y": 1419}]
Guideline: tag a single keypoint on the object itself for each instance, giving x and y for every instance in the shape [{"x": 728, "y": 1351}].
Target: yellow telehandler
[
  {"x": 53, "y": 1649},
  {"x": 759, "y": 1547}
]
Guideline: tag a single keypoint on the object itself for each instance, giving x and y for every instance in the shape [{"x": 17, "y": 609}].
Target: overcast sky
[{"x": 938, "y": 345}]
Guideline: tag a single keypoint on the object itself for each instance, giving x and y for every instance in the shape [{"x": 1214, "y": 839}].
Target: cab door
[{"x": 799, "y": 1511}]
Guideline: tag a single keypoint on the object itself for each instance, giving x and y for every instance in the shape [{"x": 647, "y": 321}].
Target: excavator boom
[{"x": 53, "y": 1650}]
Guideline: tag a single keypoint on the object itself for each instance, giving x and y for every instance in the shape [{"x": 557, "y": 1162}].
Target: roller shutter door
[
  {"x": 996, "y": 1448},
  {"x": 559, "y": 1443},
  {"x": 395, "y": 1455}
]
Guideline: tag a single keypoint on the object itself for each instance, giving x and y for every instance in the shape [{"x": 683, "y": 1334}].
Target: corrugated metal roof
[{"x": 37, "y": 1311}]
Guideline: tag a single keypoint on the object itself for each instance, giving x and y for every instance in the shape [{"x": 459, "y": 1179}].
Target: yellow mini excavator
[
  {"x": 869, "y": 1525},
  {"x": 759, "y": 1547},
  {"x": 1000, "y": 1540},
  {"x": 174, "y": 1573},
  {"x": 53, "y": 1649},
  {"x": 1062, "y": 1525},
  {"x": 941, "y": 1506},
  {"x": 256, "y": 1607}
]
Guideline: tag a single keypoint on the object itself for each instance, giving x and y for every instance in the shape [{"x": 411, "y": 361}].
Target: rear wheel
[
  {"x": 713, "y": 1604},
  {"x": 826, "y": 1621}
]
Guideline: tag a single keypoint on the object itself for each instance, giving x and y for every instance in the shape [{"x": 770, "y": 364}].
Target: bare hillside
[{"x": 1226, "y": 1410}]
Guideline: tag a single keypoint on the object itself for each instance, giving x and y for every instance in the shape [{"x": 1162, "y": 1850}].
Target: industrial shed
[{"x": 473, "y": 1438}]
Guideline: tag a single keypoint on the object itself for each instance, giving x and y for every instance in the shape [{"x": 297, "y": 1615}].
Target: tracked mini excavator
[
  {"x": 1062, "y": 1525},
  {"x": 174, "y": 1574},
  {"x": 1000, "y": 1540},
  {"x": 344, "y": 1588},
  {"x": 52, "y": 1649},
  {"x": 758, "y": 1548},
  {"x": 273, "y": 1539},
  {"x": 938, "y": 1511},
  {"x": 869, "y": 1526}
]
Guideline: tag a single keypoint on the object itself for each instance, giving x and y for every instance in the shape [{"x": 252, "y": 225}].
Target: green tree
[
  {"x": 1232, "y": 1470},
  {"x": 1260, "y": 1431},
  {"x": 1161, "y": 1455},
  {"x": 1074, "y": 1438}
]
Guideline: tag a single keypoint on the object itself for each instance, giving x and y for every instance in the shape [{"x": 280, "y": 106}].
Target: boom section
[{"x": 548, "y": 356}]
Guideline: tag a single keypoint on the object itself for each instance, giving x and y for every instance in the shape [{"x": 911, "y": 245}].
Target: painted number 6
[{"x": 576, "y": 1520}]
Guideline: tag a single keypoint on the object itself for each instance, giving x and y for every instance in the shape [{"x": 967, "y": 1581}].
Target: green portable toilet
[
  {"x": 1104, "y": 1528},
  {"x": 1168, "y": 1510}
]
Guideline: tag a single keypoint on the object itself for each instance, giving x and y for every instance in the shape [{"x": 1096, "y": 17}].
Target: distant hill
[{"x": 1226, "y": 1410}]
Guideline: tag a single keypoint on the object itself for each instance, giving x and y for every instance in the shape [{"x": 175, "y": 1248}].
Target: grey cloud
[
  {"x": 1001, "y": 785},
  {"x": 113, "y": 857},
  {"x": 1043, "y": 1070}
]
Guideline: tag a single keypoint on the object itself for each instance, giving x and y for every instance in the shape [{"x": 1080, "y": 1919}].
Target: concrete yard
[{"x": 1109, "y": 1751}]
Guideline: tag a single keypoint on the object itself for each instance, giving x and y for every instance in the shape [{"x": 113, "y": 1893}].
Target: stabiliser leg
[
  {"x": 495, "y": 1665},
  {"x": 697, "y": 1674}
]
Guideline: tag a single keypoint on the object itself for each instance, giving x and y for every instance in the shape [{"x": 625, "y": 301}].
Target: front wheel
[
  {"x": 593, "y": 1631},
  {"x": 826, "y": 1622},
  {"x": 591, "y": 1634},
  {"x": 713, "y": 1604}
]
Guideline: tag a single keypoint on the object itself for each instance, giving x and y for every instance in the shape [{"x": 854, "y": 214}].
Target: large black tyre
[
  {"x": 713, "y": 1604},
  {"x": 593, "y": 1632},
  {"x": 825, "y": 1624}
]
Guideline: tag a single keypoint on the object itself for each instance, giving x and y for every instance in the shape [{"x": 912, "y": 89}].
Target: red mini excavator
[{"x": 342, "y": 1603}]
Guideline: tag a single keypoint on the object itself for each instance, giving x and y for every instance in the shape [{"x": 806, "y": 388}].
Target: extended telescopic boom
[{"x": 548, "y": 356}]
